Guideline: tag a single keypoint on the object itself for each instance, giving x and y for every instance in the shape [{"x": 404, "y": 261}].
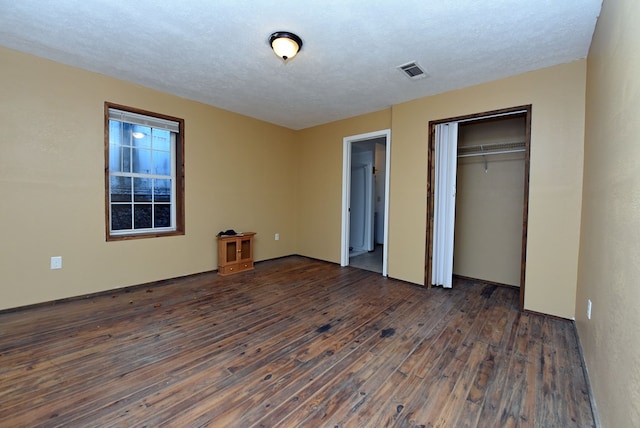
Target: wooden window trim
[{"x": 179, "y": 159}]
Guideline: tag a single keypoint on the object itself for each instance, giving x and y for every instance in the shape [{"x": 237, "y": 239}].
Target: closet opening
[{"x": 483, "y": 182}]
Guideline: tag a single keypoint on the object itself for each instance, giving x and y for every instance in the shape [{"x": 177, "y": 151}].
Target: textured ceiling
[{"x": 216, "y": 51}]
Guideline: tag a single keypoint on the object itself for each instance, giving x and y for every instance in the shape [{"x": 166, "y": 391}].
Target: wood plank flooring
[{"x": 296, "y": 342}]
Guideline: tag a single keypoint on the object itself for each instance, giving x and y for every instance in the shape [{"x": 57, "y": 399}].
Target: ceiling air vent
[{"x": 412, "y": 70}]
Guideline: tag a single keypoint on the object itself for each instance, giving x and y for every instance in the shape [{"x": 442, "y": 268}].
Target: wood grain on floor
[{"x": 296, "y": 342}]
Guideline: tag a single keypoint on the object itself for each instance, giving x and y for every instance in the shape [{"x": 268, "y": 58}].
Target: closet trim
[{"x": 524, "y": 109}]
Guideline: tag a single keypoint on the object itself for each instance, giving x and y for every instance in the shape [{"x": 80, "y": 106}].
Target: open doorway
[
  {"x": 490, "y": 190},
  {"x": 365, "y": 207}
]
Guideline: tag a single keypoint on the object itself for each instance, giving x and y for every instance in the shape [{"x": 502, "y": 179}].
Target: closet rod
[{"x": 499, "y": 152}]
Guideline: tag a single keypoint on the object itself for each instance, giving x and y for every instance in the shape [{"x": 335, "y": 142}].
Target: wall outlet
[
  {"x": 56, "y": 262},
  {"x": 277, "y": 237},
  {"x": 589, "y": 309}
]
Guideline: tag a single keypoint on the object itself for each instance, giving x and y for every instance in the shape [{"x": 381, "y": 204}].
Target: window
[{"x": 144, "y": 173}]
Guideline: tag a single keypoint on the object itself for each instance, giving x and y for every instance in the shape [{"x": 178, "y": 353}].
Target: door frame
[
  {"x": 346, "y": 194},
  {"x": 524, "y": 109}
]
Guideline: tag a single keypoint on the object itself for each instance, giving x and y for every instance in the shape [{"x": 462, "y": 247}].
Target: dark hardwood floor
[{"x": 296, "y": 342}]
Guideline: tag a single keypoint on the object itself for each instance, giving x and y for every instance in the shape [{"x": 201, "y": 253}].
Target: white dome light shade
[
  {"x": 285, "y": 48},
  {"x": 286, "y": 45}
]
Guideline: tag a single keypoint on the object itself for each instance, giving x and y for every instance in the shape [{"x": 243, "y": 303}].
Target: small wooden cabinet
[{"x": 235, "y": 253}]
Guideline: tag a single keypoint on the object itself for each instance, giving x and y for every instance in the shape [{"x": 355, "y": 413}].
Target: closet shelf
[{"x": 490, "y": 149}]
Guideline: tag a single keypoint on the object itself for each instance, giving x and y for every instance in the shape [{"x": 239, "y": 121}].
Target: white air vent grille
[{"x": 412, "y": 70}]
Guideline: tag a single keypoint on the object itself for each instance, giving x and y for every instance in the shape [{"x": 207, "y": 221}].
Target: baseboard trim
[
  {"x": 125, "y": 289},
  {"x": 484, "y": 281},
  {"x": 542, "y": 314},
  {"x": 297, "y": 255},
  {"x": 585, "y": 370}
]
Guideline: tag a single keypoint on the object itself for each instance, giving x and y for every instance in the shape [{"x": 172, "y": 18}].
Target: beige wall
[
  {"x": 489, "y": 204},
  {"x": 240, "y": 173},
  {"x": 319, "y": 162},
  {"x": 609, "y": 266},
  {"x": 246, "y": 174},
  {"x": 557, "y": 95}
]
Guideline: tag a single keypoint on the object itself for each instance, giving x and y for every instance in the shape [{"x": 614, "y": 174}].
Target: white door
[
  {"x": 361, "y": 214},
  {"x": 358, "y": 211},
  {"x": 444, "y": 210}
]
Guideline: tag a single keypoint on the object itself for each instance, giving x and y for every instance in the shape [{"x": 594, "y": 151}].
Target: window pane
[
  {"x": 161, "y": 163},
  {"x": 120, "y": 189},
  {"x": 114, "y": 157},
  {"x": 115, "y": 132},
  {"x": 142, "y": 189},
  {"x": 161, "y": 140},
  {"x": 126, "y": 134},
  {"x": 163, "y": 215},
  {"x": 120, "y": 216},
  {"x": 142, "y": 216},
  {"x": 119, "y": 158},
  {"x": 142, "y": 161},
  {"x": 162, "y": 190},
  {"x": 141, "y": 136}
]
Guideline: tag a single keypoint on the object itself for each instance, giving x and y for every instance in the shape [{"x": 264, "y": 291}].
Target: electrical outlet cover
[{"x": 56, "y": 262}]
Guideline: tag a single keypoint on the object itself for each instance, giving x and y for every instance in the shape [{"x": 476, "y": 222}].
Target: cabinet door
[
  {"x": 231, "y": 251},
  {"x": 245, "y": 252}
]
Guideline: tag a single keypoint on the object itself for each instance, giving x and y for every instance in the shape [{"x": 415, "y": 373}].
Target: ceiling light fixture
[{"x": 285, "y": 44}]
